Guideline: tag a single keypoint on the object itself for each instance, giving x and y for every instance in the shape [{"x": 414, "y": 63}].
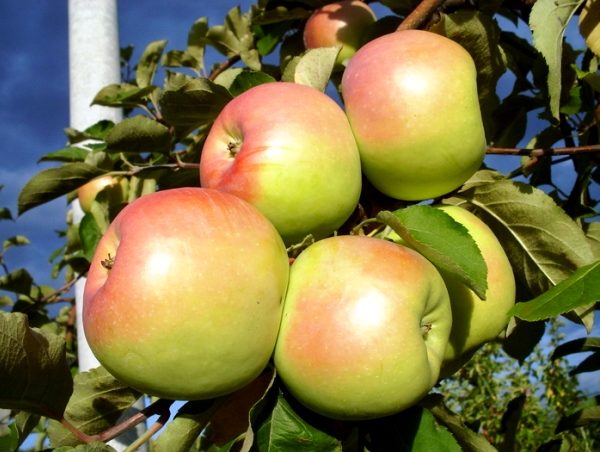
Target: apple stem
[
  {"x": 420, "y": 14},
  {"x": 234, "y": 148}
]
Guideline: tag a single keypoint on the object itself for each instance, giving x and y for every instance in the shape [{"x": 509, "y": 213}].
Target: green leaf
[
  {"x": 98, "y": 401},
  {"x": 580, "y": 418},
  {"x": 24, "y": 424},
  {"x": 70, "y": 154},
  {"x": 248, "y": 79},
  {"x": 467, "y": 438},
  {"x": 586, "y": 344},
  {"x": 285, "y": 430},
  {"x": 5, "y": 213},
  {"x": 94, "y": 446},
  {"x": 139, "y": 134},
  {"x": 17, "y": 240},
  {"x": 34, "y": 369},
  {"x": 442, "y": 240},
  {"x": 18, "y": 281},
  {"x": 235, "y": 37},
  {"x": 189, "y": 103},
  {"x": 90, "y": 234},
  {"x": 543, "y": 243},
  {"x": 414, "y": 429},
  {"x": 580, "y": 289},
  {"x": 181, "y": 432},
  {"x": 179, "y": 58},
  {"x": 313, "y": 68},
  {"x": 589, "y": 364},
  {"x": 123, "y": 95},
  {"x": 548, "y": 21},
  {"x": 52, "y": 183},
  {"x": 97, "y": 131},
  {"x": 196, "y": 42},
  {"x": 146, "y": 67}
]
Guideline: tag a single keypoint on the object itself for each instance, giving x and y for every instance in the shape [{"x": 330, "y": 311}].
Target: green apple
[
  {"x": 477, "y": 321},
  {"x": 364, "y": 328},
  {"x": 589, "y": 25},
  {"x": 411, "y": 98},
  {"x": 184, "y": 293},
  {"x": 87, "y": 193},
  {"x": 287, "y": 149},
  {"x": 340, "y": 24}
]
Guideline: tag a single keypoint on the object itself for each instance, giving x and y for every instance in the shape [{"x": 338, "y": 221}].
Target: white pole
[{"x": 94, "y": 62}]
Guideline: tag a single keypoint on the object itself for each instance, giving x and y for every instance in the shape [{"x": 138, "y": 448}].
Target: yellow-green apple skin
[
  {"x": 184, "y": 294},
  {"x": 477, "y": 321},
  {"x": 87, "y": 193},
  {"x": 364, "y": 328},
  {"x": 339, "y": 24},
  {"x": 411, "y": 98},
  {"x": 589, "y": 25},
  {"x": 287, "y": 149}
]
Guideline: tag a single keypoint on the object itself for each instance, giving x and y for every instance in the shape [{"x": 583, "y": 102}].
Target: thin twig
[
  {"x": 539, "y": 152},
  {"x": 224, "y": 66},
  {"x": 420, "y": 14}
]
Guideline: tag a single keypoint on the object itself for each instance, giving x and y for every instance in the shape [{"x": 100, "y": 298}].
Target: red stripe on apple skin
[{"x": 169, "y": 297}]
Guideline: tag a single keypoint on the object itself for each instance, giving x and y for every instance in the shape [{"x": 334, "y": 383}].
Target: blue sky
[{"x": 34, "y": 98}]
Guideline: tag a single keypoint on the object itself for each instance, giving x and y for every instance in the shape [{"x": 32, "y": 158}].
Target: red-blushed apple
[
  {"x": 339, "y": 24},
  {"x": 477, "y": 321},
  {"x": 288, "y": 150},
  {"x": 87, "y": 193},
  {"x": 364, "y": 328},
  {"x": 417, "y": 123},
  {"x": 184, "y": 294}
]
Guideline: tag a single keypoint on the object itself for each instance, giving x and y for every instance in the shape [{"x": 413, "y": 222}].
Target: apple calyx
[
  {"x": 426, "y": 328},
  {"x": 108, "y": 262},
  {"x": 234, "y": 148}
]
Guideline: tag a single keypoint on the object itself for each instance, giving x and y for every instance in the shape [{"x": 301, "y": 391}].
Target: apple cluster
[{"x": 190, "y": 293}]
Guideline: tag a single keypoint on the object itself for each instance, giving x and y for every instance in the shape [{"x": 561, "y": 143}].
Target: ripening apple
[
  {"x": 339, "y": 24},
  {"x": 477, "y": 321},
  {"x": 364, "y": 328},
  {"x": 87, "y": 193},
  {"x": 589, "y": 25},
  {"x": 288, "y": 150},
  {"x": 184, "y": 294},
  {"x": 411, "y": 98}
]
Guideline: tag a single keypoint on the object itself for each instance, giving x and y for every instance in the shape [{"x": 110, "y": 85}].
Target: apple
[
  {"x": 288, "y": 150},
  {"x": 87, "y": 193},
  {"x": 589, "y": 25},
  {"x": 417, "y": 123},
  {"x": 364, "y": 328},
  {"x": 184, "y": 293},
  {"x": 339, "y": 24},
  {"x": 477, "y": 321}
]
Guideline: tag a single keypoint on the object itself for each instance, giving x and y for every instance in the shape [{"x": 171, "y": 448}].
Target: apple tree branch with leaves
[{"x": 341, "y": 236}]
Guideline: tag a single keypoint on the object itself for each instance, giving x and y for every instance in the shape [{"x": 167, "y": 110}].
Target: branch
[
  {"x": 160, "y": 407},
  {"x": 539, "y": 152},
  {"x": 223, "y": 66},
  {"x": 420, "y": 14}
]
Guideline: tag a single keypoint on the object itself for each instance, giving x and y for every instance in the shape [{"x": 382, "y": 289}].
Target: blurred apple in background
[
  {"x": 339, "y": 24},
  {"x": 87, "y": 193}
]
